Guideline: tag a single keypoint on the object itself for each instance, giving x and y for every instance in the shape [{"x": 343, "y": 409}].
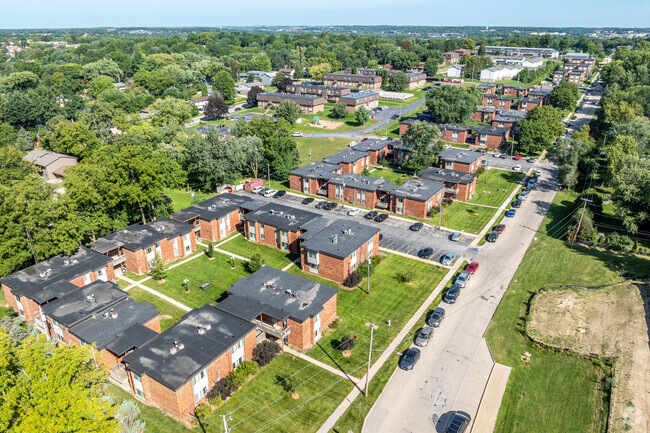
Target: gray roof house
[{"x": 51, "y": 165}]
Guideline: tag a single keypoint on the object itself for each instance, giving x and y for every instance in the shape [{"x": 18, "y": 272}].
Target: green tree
[
  {"x": 289, "y": 111},
  {"x": 14, "y": 167},
  {"x": 22, "y": 80},
  {"x": 431, "y": 66},
  {"x": 469, "y": 44},
  {"x": 397, "y": 81},
  {"x": 317, "y": 71},
  {"x": 632, "y": 192},
  {"x": 452, "y": 104},
  {"x": 8, "y": 135},
  {"x": 157, "y": 269},
  {"x": 256, "y": 262},
  {"x": 339, "y": 110},
  {"x": 170, "y": 109},
  {"x": 362, "y": 115},
  {"x": 482, "y": 50},
  {"x": 70, "y": 138},
  {"x": 617, "y": 151},
  {"x": 261, "y": 62},
  {"x": 251, "y": 97},
  {"x": 127, "y": 415},
  {"x": 540, "y": 129},
  {"x": 102, "y": 67},
  {"x": 224, "y": 84},
  {"x": 423, "y": 140},
  {"x": 565, "y": 96},
  {"x": 216, "y": 107},
  {"x": 403, "y": 60},
  {"x": 98, "y": 84},
  {"x": 277, "y": 79},
  {"x": 385, "y": 76}
]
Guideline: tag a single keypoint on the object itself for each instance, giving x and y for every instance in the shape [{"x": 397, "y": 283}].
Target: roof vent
[
  {"x": 46, "y": 273},
  {"x": 176, "y": 347},
  {"x": 290, "y": 293},
  {"x": 113, "y": 314},
  {"x": 335, "y": 238},
  {"x": 91, "y": 298},
  {"x": 105, "y": 314}
]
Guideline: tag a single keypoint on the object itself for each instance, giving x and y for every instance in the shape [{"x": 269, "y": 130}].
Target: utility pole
[
  {"x": 225, "y": 423},
  {"x": 372, "y": 328},
  {"x": 368, "y": 278},
  {"x": 268, "y": 171},
  {"x": 581, "y": 215}
]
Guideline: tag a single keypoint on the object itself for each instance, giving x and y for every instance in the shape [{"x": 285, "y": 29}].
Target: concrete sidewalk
[
  {"x": 156, "y": 293},
  {"x": 488, "y": 410}
]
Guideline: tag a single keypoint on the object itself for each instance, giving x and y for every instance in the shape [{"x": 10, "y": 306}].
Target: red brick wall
[
  {"x": 466, "y": 191},
  {"x": 350, "y": 196},
  {"x": 154, "y": 324},
  {"x": 302, "y": 334},
  {"x": 210, "y": 230},
  {"x": 492, "y": 141},
  {"x": 328, "y": 313},
  {"x": 376, "y": 156},
  {"x": 403, "y": 128},
  {"x": 416, "y": 209},
  {"x": 336, "y": 269},
  {"x": 465, "y": 168},
  {"x": 447, "y": 135},
  {"x": 296, "y": 183},
  {"x": 270, "y": 236}
]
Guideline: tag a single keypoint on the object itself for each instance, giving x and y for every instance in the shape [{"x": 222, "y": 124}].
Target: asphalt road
[
  {"x": 584, "y": 115},
  {"x": 452, "y": 371}
]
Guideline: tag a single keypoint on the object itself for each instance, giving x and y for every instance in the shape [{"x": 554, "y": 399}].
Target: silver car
[
  {"x": 463, "y": 278},
  {"x": 423, "y": 336},
  {"x": 448, "y": 259}
]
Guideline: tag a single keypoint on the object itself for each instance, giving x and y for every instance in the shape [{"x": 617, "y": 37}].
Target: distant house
[
  {"x": 455, "y": 71},
  {"x": 415, "y": 80},
  {"x": 266, "y": 78},
  {"x": 503, "y": 72},
  {"x": 199, "y": 102},
  {"x": 533, "y": 63},
  {"x": 458, "y": 185},
  {"x": 377, "y": 149},
  {"x": 51, "y": 165},
  {"x": 288, "y": 72},
  {"x": 359, "y": 81},
  {"x": 246, "y": 87},
  {"x": 464, "y": 160},
  {"x": 331, "y": 94},
  {"x": 491, "y": 136},
  {"x": 523, "y": 51},
  {"x": 355, "y": 100},
  {"x": 416, "y": 197}
]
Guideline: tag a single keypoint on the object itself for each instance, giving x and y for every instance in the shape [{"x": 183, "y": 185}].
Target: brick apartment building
[
  {"x": 362, "y": 71},
  {"x": 491, "y": 136},
  {"x": 308, "y": 104},
  {"x": 415, "y": 80},
  {"x": 506, "y": 119},
  {"x": 527, "y": 104},
  {"x": 140, "y": 243},
  {"x": 175, "y": 370},
  {"x": 101, "y": 314},
  {"x": 458, "y": 185},
  {"x": 351, "y": 161},
  {"x": 27, "y": 290},
  {"x": 339, "y": 249},
  {"x": 499, "y": 101},
  {"x": 377, "y": 149},
  {"x": 310, "y": 178},
  {"x": 467, "y": 161},
  {"x": 214, "y": 218},
  {"x": 277, "y": 226},
  {"x": 577, "y": 68},
  {"x": 455, "y": 55},
  {"x": 358, "y": 81},
  {"x": 453, "y": 133},
  {"x": 484, "y": 114},
  {"x": 357, "y": 189},
  {"x": 283, "y": 306},
  {"x": 355, "y": 100},
  {"x": 331, "y": 94},
  {"x": 416, "y": 197}
]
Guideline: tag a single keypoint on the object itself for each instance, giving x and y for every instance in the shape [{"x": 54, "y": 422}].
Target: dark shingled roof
[
  {"x": 460, "y": 155},
  {"x": 362, "y": 182},
  {"x": 132, "y": 337},
  {"x": 104, "y": 246},
  {"x": 345, "y": 156},
  {"x": 283, "y": 217},
  {"x": 371, "y": 144},
  {"x": 36, "y": 278},
  {"x": 212, "y": 208},
  {"x": 340, "y": 238},
  {"x": 492, "y": 130},
  {"x": 417, "y": 189},
  {"x": 317, "y": 170},
  {"x": 138, "y": 236},
  {"x": 443, "y": 175},
  {"x": 173, "y": 370},
  {"x": 278, "y": 294}
]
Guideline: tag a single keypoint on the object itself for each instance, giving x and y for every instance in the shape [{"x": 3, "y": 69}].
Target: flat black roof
[
  {"x": 345, "y": 156},
  {"x": 174, "y": 368},
  {"x": 139, "y": 236},
  {"x": 36, "y": 278},
  {"x": 131, "y": 338},
  {"x": 362, "y": 182},
  {"x": 280, "y": 216},
  {"x": 437, "y": 174},
  {"x": 279, "y": 294},
  {"x": 371, "y": 144},
  {"x": 448, "y": 126},
  {"x": 212, "y": 208},
  {"x": 460, "y": 155},
  {"x": 417, "y": 189},
  {"x": 341, "y": 238},
  {"x": 317, "y": 170},
  {"x": 492, "y": 130}
]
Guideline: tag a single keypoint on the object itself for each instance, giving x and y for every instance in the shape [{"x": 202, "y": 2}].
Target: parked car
[
  {"x": 531, "y": 183},
  {"x": 425, "y": 253},
  {"x": 371, "y": 215},
  {"x": 463, "y": 278},
  {"x": 436, "y": 317},
  {"x": 381, "y": 218},
  {"x": 472, "y": 267},
  {"x": 517, "y": 167},
  {"x": 269, "y": 192},
  {"x": 279, "y": 194},
  {"x": 257, "y": 189},
  {"x": 448, "y": 259},
  {"x": 416, "y": 227},
  {"x": 447, "y": 146},
  {"x": 500, "y": 228},
  {"x": 517, "y": 157},
  {"x": 329, "y": 205},
  {"x": 516, "y": 204},
  {"x": 423, "y": 336},
  {"x": 452, "y": 294},
  {"x": 297, "y": 134},
  {"x": 409, "y": 359},
  {"x": 354, "y": 212},
  {"x": 497, "y": 155},
  {"x": 320, "y": 204},
  {"x": 531, "y": 159},
  {"x": 522, "y": 196},
  {"x": 492, "y": 237},
  {"x": 262, "y": 191},
  {"x": 459, "y": 423},
  {"x": 308, "y": 200},
  {"x": 504, "y": 156},
  {"x": 511, "y": 213},
  {"x": 455, "y": 236},
  {"x": 395, "y": 116}
]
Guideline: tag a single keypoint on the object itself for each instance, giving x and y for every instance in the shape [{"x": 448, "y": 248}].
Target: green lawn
[
  {"x": 389, "y": 299},
  {"x": 263, "y": 404},
  {"x": 494, "y": 186},
  {"x": 467, "y": 217},
  {"x": 170, "y": 314},
  {"x": 349, "y": 122},
  {"x": 181, "y": 197},
  {"x": 393, "y": 176},
  {"x": 319, "y": 147},
  {"x": 272, "y": 256},
  {"x": 217, "y": 272},
  {"x": 553, "y": 391}
]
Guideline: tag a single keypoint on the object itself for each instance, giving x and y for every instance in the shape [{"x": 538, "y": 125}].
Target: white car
[
  {"x": 497, "y": 155},
  {"x": 447, "y": 146},
  {"x": 517, "y": 167},
  {"x": 270, "y": 192},
  {"x": 256, "y": 189},
  {"x": 297, "y": 134},
  {"x": 354, "y": 212}
]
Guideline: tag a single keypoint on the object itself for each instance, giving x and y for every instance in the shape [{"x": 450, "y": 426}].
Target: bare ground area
[
  {"x": 325, "y": 124},
  {"x": 612, "y": 322}
]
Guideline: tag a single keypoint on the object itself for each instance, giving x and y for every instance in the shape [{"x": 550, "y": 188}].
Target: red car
[
  {"x": 472, "y": 267},
  {"x": 500, "y": 228},
  {"x": 517, "y": 157}
]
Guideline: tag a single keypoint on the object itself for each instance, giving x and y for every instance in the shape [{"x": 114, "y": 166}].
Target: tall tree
[
  {"x": 540, "y": 129},
  {"x": 431, "y": 66},
  {"x": 317, "y": 71},
  {"x": 632, "y": 193},
  {"x": 70, "y": 138},
  {"x": 397, "y": 81},
  {"x": 216, "y": 107},
  {"x": 565, "y": 96},
  {"x": 261, "y": 62},
  {"x": 170, "y": 109},
  {"x": 339, "y": 110},
  {"x": 251, "y": 96},
  {"x": 289, "y": 111},
  {"x": 224, "y": 84},
  {"x": 452, "y": 104},
  {"x": 362, "y": 115},
  {"x": 423, "y": 139}
]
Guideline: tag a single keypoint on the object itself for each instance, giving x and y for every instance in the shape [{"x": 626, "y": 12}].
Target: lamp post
[
  {"x": 372, "y": 328},
  {"x": 368, "y": 277}
]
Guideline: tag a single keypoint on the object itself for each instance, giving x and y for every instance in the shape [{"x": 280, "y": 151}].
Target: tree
[
  {"x": 565, "y": 96},
  {"x": 346, "y": 343},
  {"x": 98, "y": 84},
  {"x": 469, "y": 44},
  {"x": 339, "y": 110},
  {"x": 620, "y": 111},
  {"x": 22, "y": 80},
  {"x": 55, "y": 388},
  {"x": 474, "y": 65},
  {"x": 102, "y": 67},
  {"x": 157, "y": 269},
  {"x": 362, "y": 115},
  {"x": 397, "y": 81},
  {"x": 452, "y": 104},
  {"x": 261, "y": 62},
  {"x": 317, "y": 71},
  {"x": 431, "y": 67},
  {"x": 278, "y": 79},
  {"x": 265, "y": 352},
  {"x": 253, "y": 153},
  {"x": 127, "y": 415},
  {"x": 403, "y": 60},
  {"x": 289, "y": 111},
  {"x": 170, "y": 110},
  {"x": 8, "y": 135},
  {"x": 251, "y": 97},
  {"x": 385, "y": 76},
  {"x": 618, "y": 150},
  {"x": 574, "y": 160},
  {"x": 632, "y": 192},
  {"x": 423, "y": 140},
  {"x": 224, "y": 84},
  {"x": 256, "y": 262},
  {"x": 540, "y": 129},
  {"x": 70, "y": 138},
  {"x": 482, "y": 50},
  {"x": 216, "y": 107}
]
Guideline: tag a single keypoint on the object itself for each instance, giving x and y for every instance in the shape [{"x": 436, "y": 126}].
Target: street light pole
[
  {"x": 368, "y": 277},
  {"x": 372, "y": 328}
]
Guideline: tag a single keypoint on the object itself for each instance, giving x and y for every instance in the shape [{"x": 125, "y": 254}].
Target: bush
[
  {"x": 363, "y": 268},
  {"x": 256, "y": 263},
  {"x": 480, "y": 171},
  {"x": 127, "y": 416},
  {"x": 215, "y": 400},
  {"x": 335, "y": 324},
  {"x": 353, "y": 279},
  {"x": 346, "y": 343},
  {"x": 620, "y": 242},
  {"x": 434, "y": 211},
  {"x": 266, "y": 352},
  {"x": 210, "y": 251},
  {"x": 224, "y": 388},
  {"x": 288, "y": 383},
  {"x": 157, "y": 269},
  {"x": 203, "y": 411},
  {"x": 405, "y": 276}
]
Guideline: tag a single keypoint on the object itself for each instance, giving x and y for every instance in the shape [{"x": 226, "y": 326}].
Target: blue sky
[{"x": 162, "y": 13}]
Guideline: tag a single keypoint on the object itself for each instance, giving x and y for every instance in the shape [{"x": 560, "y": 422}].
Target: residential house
[
  {"x": 308, "y": 104},
  {"x": 416, "y": 197},
  {"x": 454, "y": 133},
  {"x": 283, "y": 306},
  {"x": 339, "y": 249},
  {"x": 312, "y": 177},
  {"x": 354, "y": 100},
  {"x": 246, "y": 87},
  {"x": 357, "y": 189},
  {"x": 376, "y": 147},
  {"x": 200, "y": 102},
  {"x": 467, "y": 161},
  {"x": 359, "y": 81},
  {"x": 455, "y": 55},
  {"x": 351, "y": 161},
  {"x": 455, "y": 71},
  {"x": 287, "y": 72},
  {"x": 499, "y": 101},
  {"x": 457, "y": 184},
  {"x": 415, "y": 80},
  {"x": 503, "y": 72},
  {"x": 533, "y": 63},
  {"x": 266, "y": 78},
  {"x": 484, "y": 114},
  {"x": 51, "y": 165},
  {"x": 175, "y": 370},
  {"x": 507, "y": 119}
]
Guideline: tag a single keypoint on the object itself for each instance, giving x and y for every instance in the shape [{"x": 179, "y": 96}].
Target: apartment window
[
  {"x": 305, "y": 185},
  {"x": 101, "y": 274},
  {"x": 251, "y": 232},
  {"x": 339, "y": 192},
  {"x": 363, "y": 197},
  {"x": 58, "y": 332},
  {"x": 86, "y": 278},
  {"x": 137, "y": 384},
  {"x": 312, "y": 257},
  {"x": 149, "y": 250},
  {"x": 284, "y": 240},
  {"x": 353, "y": 260},
  {"x": 371, "y": 247},
  {"x": 200, "y": 385},
  {"x": 312, "y": 268},
  {"x": 454, "y": 136},
  {"x": 262, "y": 232},
  {"x": 21, "y": 311},
  {"x": 237, "y": 352},
  {"x": 186, "y": 243}
]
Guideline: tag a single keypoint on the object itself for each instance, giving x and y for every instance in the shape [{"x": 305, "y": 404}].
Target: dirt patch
[
  {"x": 326, "y": 124},
  {"x": 165, "y": 316},
  {"x": 610, "y": 322}
]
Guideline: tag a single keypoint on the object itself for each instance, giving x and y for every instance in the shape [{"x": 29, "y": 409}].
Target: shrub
[
  {"x": 266, "y": 352},
  {"x": 335, "y": 324},
  {"x": 224, "y": 387},
  {"x": 215, "y": 400},
  {"x": 202, "y": 411},
  {"x": 405, "y": 276},
  {"x": 256, "y": 263},
  {"x": 210, "y": 251},
  {"x": 346, "y": 343},
  {"x": 363, "y": 268},
  {"x": 620, "y": 242},
  {"x": 365, "y": 172},
  {"x": 288, "y": 383},
  {"x": 249, "y": 368},
  {"x": 127, "y": 416},
  {"x": 157, "y": 269},
  {"x": 480, "y": 171},
  {"x": 353, "y": 279}
]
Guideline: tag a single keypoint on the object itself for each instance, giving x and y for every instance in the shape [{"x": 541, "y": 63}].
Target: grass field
[
  {"x": 349, "y": 121},
  {"x": 272, "y": 256},
  {"x": 181, "y": 198},
  {"x": 494, "y": 189},
  {"x": 170, "y": 314},
  {"x": 553, "y": 391},
  {"x": 467, "y": 217},
  {"x": 319, "y": 147},
  {"x": 393, "y": 176}
]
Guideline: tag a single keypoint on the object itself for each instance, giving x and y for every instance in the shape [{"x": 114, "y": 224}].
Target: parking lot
[
  {"x": 507, "y": 163},
  {"x": 395, "y": 233}
]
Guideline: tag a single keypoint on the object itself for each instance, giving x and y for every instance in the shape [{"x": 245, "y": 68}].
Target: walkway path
[
  {"x": 488, "y": 410},
  {"x": 155, "y": 292},
  {"x": 321, "y": 365}
]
